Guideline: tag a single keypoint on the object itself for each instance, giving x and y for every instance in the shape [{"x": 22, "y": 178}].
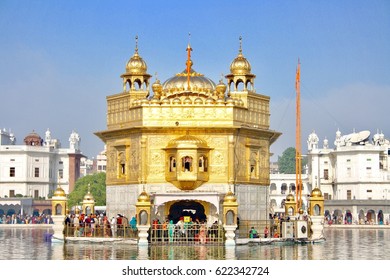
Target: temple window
[
  {"x": 284, "y": 188},
  {"x": 172, "y": 164},
  {"x": 230, "y": 217},
  {"x": 292, "y": 187},
  {"x": 58, "y": 209},
  {"x": 252, "y": 166},
  {"x": 317, "y": 210},
  {"x": 12, "y": 171},
  {"x": 121, "y": 164},
  {"x": 187, "y": 164},
  {"x": 202, "y": 164}
]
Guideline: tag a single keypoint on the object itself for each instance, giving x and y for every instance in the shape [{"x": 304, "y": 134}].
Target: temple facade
[{"x": 187, "y": 142}]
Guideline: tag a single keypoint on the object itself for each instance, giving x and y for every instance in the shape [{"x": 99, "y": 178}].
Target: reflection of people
[
  {"x": 202, "y": 233},
  {"x": 106, "y": 227},
  {"x": 113, "y": 226},
  {"x": 171, "y": 230},
  {"x": 253, "y": 233},
  {"x": 133, "y": 223},
  {"x": 266, "y": 232}
]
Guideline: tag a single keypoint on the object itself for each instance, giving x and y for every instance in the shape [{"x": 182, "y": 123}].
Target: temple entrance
[{"x": 184, "y": 208}]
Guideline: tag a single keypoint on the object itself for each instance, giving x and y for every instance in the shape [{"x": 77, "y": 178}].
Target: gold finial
[
  {"x": 188, "y": 63},
  {"x": 240, "y": 50},
  {"x": 136, "y": 43}
]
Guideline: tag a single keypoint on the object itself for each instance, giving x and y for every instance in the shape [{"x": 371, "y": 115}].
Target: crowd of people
[
  {"x": 26, "y": 219},
  {"x": 94, "y": 225}
]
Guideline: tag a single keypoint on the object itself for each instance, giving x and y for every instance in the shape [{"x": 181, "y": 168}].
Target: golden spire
[
  {"x": 188, "y": 63},
  {"x": 240, "y": 49},
  {"x": 136, "y": 44}
]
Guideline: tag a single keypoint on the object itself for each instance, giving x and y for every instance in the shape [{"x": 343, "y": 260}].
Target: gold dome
[
  {"x": 166, "y": 101},
  {"x": 59, "y": 192},
  {"x": 187, "y": 141},
  {"x": 290, "y": 197},
  {"x": 179, "y": 83},
  {"x": 176, "y": 101},
  {"x": 198, "y": 101},
  {"x": 143, "y": 197},
  {"x": 187, "y": 100},
  {"x": 316, "y": 192},
  {"x": 157, "y": 87},
  {"x": 240, "y": 65},
  {"x": 155, "y": 100},
  {"x": 210, "y": 101},
  {"x": 230, "y": 101},
  {"x": 89, "y": 196},
  {"x": 229, "y": 197},
  {"x": 221, "y": 88},
  {"x": 136, "y": 65},
  {"x": 220, "y": 101}
]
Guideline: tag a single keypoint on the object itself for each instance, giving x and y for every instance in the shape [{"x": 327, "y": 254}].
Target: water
[{"x": 340, "y": 244}]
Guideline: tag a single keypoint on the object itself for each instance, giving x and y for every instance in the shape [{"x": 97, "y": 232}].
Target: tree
[
  {"x": 97, "y": 184},
  {"x": 286, "y": 162}
]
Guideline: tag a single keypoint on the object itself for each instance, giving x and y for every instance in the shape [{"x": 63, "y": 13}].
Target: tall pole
[{"x": 298, "y": 153}]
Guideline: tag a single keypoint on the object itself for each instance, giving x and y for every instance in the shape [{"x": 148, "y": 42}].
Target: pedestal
[
  {"x": 230, "y": 234},
  {"x": 143, "y": 234},
  {"x": 317, "y": 227},
  {"x": 58, "y": 228}
]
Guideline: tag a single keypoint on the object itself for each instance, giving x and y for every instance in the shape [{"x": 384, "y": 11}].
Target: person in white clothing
[{"x": 113, "y": 226}]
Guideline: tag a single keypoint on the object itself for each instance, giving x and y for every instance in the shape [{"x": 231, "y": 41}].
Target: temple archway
[{"x": 190, "y": 208}]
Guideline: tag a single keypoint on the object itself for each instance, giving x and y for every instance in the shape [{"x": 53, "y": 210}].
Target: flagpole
[{"x": 298, "y": 153}]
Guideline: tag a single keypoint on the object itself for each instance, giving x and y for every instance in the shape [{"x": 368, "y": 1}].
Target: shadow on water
[{"x": 340, "y": 244}]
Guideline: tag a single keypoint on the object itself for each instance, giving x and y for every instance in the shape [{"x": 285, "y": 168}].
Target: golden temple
[{"x": 187, "y": 142}]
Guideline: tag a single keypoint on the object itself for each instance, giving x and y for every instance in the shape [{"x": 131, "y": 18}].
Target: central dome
[{"x": 198, "y": 83}]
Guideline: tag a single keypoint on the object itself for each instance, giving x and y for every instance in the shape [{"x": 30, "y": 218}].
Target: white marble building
[
  {"x": 354, "y": 176},
  {"x": 36, "y": 167},
  {"x": 281, "y": 186}
]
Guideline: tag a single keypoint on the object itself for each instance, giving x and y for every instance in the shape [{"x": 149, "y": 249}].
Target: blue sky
[{"x": 60, "y": 59}]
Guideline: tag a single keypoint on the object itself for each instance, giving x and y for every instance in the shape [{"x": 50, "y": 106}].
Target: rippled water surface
[{"x": 340, "y": 244}]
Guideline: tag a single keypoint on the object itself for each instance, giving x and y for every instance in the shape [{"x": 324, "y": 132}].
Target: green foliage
[
  {"x": 286, "y": 162},
  {"x": 97, "y": 188}
]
